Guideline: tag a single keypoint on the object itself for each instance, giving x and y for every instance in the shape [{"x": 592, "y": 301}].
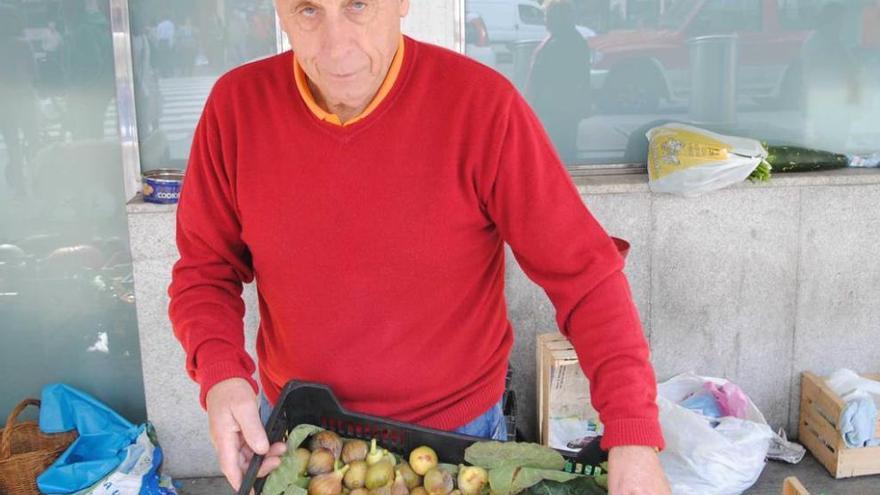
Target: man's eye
[
  {"x": 358, "y": 6},
  {"x": 309, "y": 11}
]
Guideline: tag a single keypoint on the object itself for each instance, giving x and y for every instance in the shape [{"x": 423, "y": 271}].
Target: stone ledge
[{"x": 638, "y": 183}]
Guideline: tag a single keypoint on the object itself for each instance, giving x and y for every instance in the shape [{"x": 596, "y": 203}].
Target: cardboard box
[{"x": 566, "y": 417}]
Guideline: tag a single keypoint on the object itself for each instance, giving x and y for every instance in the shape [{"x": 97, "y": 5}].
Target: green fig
[
  {"x": 375, "y": 454},
  {"x": 326, "y": 440},
  {"x": 423, "y": 459},
  {"x": 328, "y": 483},
  {"x": 412, "y": 479},
  {"x": 302, "y": 459},
  {"x": 379, "y": 474},
  {"x": 455, "y": 492},
  {"x": 354, "y": 450},
  {"x": 472, "y": 479},
  {"x": 321, "y": 462},
  {"x": 356, "y": 476},
  {"x": 419, "y": 490},
  {"x": 391, "y": 458},
  {"x": 399, "y": 486},
  {"x": 438, "y": 482}
]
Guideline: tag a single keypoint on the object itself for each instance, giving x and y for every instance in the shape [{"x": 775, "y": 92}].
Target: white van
[{"x": 510, "y": 21}]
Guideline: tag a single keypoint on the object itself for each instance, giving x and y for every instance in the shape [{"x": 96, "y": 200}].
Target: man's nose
[{"x": 338, "y": 38}]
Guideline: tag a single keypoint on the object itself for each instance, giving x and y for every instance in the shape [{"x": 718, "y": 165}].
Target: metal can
[{"x": 162, "y": 186}]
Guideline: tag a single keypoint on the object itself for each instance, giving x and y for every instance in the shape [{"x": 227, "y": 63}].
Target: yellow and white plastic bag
[{"x": 689, "y": 161}]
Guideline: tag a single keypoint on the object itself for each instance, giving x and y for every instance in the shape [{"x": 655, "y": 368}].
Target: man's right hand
[{"x": 237, "y": 432}]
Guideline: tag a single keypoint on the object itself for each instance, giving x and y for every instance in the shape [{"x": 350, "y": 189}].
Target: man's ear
[{"x": 404, "y": 8}]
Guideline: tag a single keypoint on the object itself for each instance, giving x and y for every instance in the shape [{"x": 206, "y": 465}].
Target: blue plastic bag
[{"x": 111, "y": 455}]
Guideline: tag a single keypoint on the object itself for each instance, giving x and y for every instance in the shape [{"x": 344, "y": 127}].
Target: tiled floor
[{"x": 809, "y": 472}]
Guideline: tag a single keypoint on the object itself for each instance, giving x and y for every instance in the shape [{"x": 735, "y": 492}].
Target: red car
[{"x": 633, "y": 70}]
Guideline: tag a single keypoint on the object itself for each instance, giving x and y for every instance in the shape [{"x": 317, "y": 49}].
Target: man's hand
[
  {"x": 635, "y": 470},
  {"x": 237, "y": 432}
]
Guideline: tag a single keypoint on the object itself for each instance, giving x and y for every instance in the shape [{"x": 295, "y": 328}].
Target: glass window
[
  {"x": 801, "y": 72},
  {"x": 179, "y": 49},
  {"x": 530, "y": 14},
  {"x": 727, "y": 16},
  {"x": 66, "y": 291}
]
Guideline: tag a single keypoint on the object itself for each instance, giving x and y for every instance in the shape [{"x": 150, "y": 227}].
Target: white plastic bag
[
  {"x": 689, "y": 161},
  {"x": 700, "y": 459}
]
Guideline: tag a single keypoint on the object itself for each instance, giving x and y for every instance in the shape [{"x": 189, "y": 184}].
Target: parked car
[
  {"x": 511, "y": 21},
  {"x": 633, "y": 70},
  {"x": 476, "y": 36}
]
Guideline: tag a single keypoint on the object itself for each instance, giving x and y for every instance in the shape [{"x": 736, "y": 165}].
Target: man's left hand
[{"x": 635, "y": 470}]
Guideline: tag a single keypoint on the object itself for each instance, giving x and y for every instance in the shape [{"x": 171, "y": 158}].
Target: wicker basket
[{"x": 25, "y": 452}]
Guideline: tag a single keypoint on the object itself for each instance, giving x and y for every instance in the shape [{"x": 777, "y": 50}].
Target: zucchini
[
  {"x": 795, "y": 159},
  {"x": 783, "y": 158}
]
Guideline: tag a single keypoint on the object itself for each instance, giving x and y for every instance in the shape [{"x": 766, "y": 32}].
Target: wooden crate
[
  {"x": 819, "y": 431},
  {"x": 793, "y": 486}
]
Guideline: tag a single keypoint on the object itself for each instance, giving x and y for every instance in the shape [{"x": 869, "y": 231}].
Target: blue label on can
[{"x": 163, "y": 191}]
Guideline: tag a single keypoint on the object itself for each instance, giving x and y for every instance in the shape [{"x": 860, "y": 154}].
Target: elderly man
[{"x": 368, "y": 183}]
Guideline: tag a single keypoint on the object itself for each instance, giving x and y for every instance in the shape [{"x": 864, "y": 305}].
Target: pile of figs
[{"x": 354, "y": 467}]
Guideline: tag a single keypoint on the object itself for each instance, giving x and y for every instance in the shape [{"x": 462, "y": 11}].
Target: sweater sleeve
[
  {"x": 560, "y": 246},
  {"x": 206, "y": 307}
]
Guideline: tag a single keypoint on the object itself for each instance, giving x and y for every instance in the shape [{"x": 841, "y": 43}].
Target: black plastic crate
[{"x": 315, "y": 404}]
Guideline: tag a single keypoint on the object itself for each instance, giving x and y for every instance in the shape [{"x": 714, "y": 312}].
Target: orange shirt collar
[{"x": 302, "y": 84}]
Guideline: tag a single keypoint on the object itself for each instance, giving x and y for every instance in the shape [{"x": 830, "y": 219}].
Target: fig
[
  {"x": 379, "y": 474},
  {"x": 321, "y": 462},
  {"x": 376, "y": 454},
  {"x": 422, "y": 459},
  {"x": 399, "y": 486},
  {"x": 356, "y": 476},
  {"x": 438, "y": 482},
  {"x": 302, "y": 459},
  {"x": 326, "y": 440},
  {"x": 359, "y": 491},
  {"x": 419, "y": 490},
  {"x": 388, "y": 456},
  {"x": 328, "y": 483},
  {"x": 472, "y": 479},
  {"x": 354, "y": 450},
  {"x": 412, "y": 479},
  {"x": 382, "y": 490},
  {"x": 455, "y": 492}
]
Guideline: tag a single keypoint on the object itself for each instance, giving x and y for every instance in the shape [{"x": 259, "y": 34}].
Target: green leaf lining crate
[{"x": 819, "y": 431}]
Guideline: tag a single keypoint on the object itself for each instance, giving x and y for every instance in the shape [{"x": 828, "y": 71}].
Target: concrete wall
[{"x": 754, "y": 283}]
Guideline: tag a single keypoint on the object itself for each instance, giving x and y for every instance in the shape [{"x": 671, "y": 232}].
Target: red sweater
[{"x": 378, "y": 248}]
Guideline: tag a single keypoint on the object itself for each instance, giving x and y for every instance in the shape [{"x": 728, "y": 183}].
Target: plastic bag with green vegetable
[{"x": 689, "y": 161}]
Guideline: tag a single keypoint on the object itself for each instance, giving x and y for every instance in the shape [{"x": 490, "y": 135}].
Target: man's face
[{"x": 344, "y": 46}]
